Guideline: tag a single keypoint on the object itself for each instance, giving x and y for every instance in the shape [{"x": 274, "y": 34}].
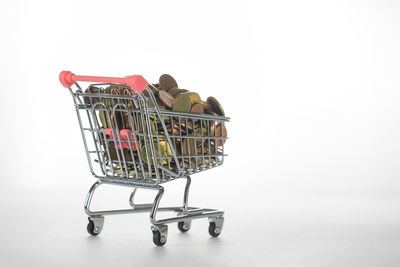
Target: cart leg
[
  {"x": 132, "y": 197},
  {"x": 156, "y": 203},
  {"x": 186, "y": 194},
  {"x": 89, "y": 198},
  {"x": 160, "y": 231},
  {"x": 96, "y": 222},
  {"x": 185, "y": 225},
  {"x": 96, "y": 218}
]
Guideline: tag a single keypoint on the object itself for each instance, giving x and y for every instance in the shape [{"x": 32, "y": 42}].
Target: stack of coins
[{"x": 171, "y": 97}]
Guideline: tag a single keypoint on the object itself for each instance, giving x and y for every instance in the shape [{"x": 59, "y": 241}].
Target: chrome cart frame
[{"x": 129, "y": 141}]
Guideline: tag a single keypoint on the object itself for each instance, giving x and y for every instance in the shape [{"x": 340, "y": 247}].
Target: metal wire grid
[{"x": 169, "y": 146}]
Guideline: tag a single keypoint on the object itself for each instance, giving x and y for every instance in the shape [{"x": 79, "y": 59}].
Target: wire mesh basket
[{"x": 133, "y": 141}]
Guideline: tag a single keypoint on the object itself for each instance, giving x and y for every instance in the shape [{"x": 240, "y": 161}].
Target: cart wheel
[
  {"x": 95, "y": 225},
  {"x": 184, "y": 226},
  {"x": 90, "y": 228},
  {"x": 158, "y": 239},
  {"x": 213, "y": 230}
]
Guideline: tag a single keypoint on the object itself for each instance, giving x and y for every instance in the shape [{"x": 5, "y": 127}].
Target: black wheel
[
  {"x": 90, "y": 228},
  {"x": 158, "y": 240},
  {"x": 182, "y": 228},
  {"x": 211, "y": 230}
]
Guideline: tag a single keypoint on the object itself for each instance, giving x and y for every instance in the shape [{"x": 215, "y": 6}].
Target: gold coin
[
  {"x": 146, "y": 150},
  {"x": 186, "y": 128},
  {"x": 175, "y": 91},
  {"x": 200, "y": 132},
  {"x": 161, "y": 149},
  {"x": 167, "y": 119},
  {"x": 150, "y": 103},
  {"x": 152, "y": 126},
  {"x": 183, "y": 102},
  {"x": 215, "y": 106},
  {"x": 167, "y": 82},
  {"x": 111, "y": 90},
  {"x": 189, "y": 163},
  {"x": 212, "y": 113},
  {"x": 165, "y": 148},
  {"x": 105, "y": 119}
]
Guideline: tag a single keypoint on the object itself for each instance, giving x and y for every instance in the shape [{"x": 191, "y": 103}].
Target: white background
[{"x": 312, "y": 89}]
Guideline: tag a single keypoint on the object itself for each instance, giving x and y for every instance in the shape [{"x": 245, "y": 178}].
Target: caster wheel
[
  {"x": 213, "y": 230},
  {"x": 90, "y": 228},
  {"x": 158, "y": 239},
  {"x": 184, "y": 226},
  {"x": 95, "y": 225}
]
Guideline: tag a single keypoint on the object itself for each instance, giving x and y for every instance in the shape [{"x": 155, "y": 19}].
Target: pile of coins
[
  {"x": 171, "y": 97},
  {"x": 196, "y": 140}
]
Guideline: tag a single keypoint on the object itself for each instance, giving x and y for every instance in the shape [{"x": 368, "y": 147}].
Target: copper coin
[
  {"x": 180, "y": 128},
  {"x": 115, "y": 152},
  {"x": 212, "y": 127},
  {"x": 206, "y": 106},
  {"x": 167, "y": 82},
  {"x": 112, "y": 150},
  {"x": 154, "y": 89},
  {"x": 219, "y": 131},
  {"x": 166, "y": 98},
  {"x": 197, "y": 108},
  {"x": 117, "y": 119},
  {"x": 88, "y": 99},
  {"x": 172, "y": 131},
  {"x": 188, "y": 147},
  {"x": 127, "y": 121}
]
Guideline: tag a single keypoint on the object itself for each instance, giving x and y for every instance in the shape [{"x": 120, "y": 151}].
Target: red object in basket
[{"x": 124, "y": 138}]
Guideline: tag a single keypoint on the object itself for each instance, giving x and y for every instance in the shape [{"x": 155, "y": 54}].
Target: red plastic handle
[{"x": 136, "y": 82}]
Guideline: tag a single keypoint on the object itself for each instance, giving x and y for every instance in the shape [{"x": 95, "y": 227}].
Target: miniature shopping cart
[{"x": 130, "y": 141}]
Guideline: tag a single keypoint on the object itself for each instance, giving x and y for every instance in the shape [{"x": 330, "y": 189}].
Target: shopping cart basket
[{"x": 130, "y": 141}]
